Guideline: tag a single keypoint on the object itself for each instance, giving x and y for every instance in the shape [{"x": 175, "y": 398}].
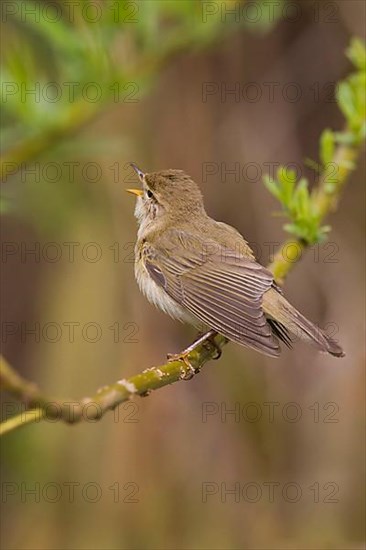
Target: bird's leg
[
  {"x": 207, "y": 336},
  {"x": 210, "y": 337},
  {"x": 183, "y": 355}
]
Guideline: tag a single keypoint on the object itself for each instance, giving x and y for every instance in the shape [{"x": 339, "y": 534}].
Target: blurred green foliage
[
  {"x": 61, "y": 69},
  {"x": 68, "y": 53},
  {"x": 295, "y": 199},
  {"x": 64, "y": 64},
  {"x": 295, "y": 196}
]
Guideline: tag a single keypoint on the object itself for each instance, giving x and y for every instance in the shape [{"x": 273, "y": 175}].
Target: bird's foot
[
  {"x": 210, "y": 341},
  {"x": 207, "y": 339},
  {"x": 184, "y": 357}
]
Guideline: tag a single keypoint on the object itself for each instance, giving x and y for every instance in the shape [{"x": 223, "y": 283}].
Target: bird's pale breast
[{"x": 157, "y": 295}]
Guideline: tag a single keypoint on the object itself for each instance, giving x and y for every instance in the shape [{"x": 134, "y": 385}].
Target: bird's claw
[
  {"x": 183, "y": 357},
  {"x": 211, "y": 342}
]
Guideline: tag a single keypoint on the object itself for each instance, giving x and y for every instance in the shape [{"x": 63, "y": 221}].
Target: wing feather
[{"x": 222, "y": 289}]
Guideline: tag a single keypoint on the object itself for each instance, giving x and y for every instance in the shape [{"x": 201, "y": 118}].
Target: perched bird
[{"x": 203, "y": 272}]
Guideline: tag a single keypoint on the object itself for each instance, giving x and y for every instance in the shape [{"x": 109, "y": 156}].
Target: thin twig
[{"x": 106, "y": 398}]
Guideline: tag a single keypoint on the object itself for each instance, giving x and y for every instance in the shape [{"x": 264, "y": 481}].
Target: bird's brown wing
[{"x": 221, "y": 288}]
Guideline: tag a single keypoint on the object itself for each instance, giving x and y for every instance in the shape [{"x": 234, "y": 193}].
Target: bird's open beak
[
  {"x": 141, "y": 175},
  {"x": 138, "y": 192},
  {"x": 139, "y": 172}
]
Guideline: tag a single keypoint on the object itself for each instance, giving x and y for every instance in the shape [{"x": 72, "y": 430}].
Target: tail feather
[
  {"x": 284, "y": 314},
  {"x": 281, "y": 332}
]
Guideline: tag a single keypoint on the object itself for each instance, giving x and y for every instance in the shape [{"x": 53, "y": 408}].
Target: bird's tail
[{"x": 287, "y": 318}]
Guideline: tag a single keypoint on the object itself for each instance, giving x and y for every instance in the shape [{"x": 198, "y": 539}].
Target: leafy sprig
[
  {"x": 295, "y": 199},
  {"x": 299, "y": 203}
]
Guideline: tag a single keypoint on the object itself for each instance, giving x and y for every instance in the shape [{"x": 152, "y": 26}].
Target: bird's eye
[{"x": 149, "y": 194}]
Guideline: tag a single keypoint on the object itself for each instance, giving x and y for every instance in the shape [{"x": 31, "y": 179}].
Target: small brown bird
[{"x": 202, "y": 271}]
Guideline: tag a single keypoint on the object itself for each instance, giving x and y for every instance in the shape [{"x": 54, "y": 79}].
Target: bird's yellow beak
[{"x": 138, "y": 192}]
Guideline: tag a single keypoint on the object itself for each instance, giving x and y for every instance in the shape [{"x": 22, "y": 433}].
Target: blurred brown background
[{"x": 155, "y": 474}]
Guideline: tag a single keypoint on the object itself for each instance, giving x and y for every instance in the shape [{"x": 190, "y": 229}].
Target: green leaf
[
  {"x": 293, "y": 229},
  {"x": 287, "y": 180},
  {"x": 272, "y": 187},
  {"x": 326, "y": 146},
  {"x": 345, "y": 100},
  {"x": 302, "y": 199},
  {"x": 344, "y": 138},
  {"x": 356, "y": 52}
]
